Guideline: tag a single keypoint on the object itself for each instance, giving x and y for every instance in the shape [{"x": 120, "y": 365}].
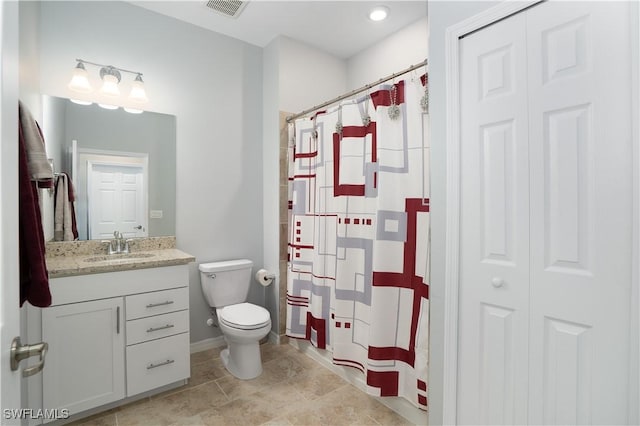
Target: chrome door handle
[
  {"x": 20, "y": 352},
  {"x": 164, "y": 327},
  {"x": 153, "y": 305},
  {"x": 160, "y": 364},
  {"x": 138, "y": 227}
]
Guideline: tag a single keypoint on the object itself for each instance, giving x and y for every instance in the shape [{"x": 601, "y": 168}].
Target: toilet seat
[{"x": 244, "y": 316}]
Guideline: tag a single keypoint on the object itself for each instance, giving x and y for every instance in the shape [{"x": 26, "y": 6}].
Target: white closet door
[
  {"x": 494, "y": 263},
  {"x": 581, "y": 199}
]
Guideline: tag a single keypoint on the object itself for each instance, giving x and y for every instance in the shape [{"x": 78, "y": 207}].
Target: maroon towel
[
  {"x": 72, "y": 199},
  {"x": 34, "y": 278}
]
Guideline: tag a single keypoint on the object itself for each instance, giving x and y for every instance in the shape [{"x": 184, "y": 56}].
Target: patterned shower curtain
[{"x": 357, "y": 283}]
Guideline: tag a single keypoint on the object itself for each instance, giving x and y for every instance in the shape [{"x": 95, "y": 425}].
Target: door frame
[
  {"x": 10, "y": 320},
  {"x": 453, "y": 36},
  {"x": 97, "y": 156}
]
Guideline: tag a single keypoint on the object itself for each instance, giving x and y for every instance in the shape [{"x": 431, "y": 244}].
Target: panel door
[
  {"x": 116, "y": 202},
  {"x": 581, "y": 198},
  {"x": 494, "y": 273},
  {"x": 85, "y": 363}
]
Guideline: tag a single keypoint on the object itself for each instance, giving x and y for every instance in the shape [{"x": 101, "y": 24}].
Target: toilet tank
[{"x": 225, "y": 283}]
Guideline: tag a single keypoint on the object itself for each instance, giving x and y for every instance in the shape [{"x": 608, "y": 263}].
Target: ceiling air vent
[{"x": 230, "y": 8}]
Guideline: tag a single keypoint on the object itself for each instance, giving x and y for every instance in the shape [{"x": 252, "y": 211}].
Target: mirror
[{"x": 91, "y": 145}]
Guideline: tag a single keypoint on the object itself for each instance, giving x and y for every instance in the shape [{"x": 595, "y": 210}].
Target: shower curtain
[{"x": 357, "y": 283}]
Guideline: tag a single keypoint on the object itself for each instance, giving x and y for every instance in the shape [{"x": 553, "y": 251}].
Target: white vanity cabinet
[{"x": 115, "y": 335}]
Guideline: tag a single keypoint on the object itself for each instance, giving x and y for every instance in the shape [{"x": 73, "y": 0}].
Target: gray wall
[
  {"x": 213, "y": 85},
  {"x": 117, "y": 130},
  {"x": 441, "y": 16}
]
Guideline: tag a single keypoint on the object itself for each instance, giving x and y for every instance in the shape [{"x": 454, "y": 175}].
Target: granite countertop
[{"x": 83, "y": 258}]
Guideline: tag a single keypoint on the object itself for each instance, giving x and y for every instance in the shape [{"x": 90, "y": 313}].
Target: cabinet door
[{"x": 85, "y": 362}]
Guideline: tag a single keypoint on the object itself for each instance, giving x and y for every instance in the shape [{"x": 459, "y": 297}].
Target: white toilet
[{"x": 226, "y": 286}]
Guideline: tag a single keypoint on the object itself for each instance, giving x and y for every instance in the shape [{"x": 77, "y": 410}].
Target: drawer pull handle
[
  {"x": 153, "y": 305},
  {"x": 164, "y": 327},
  {"x": 167, "y": 362}
]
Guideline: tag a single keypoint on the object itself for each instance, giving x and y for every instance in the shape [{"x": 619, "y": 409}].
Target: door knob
[
  {"x": 137, "y": 227},
  {"x": 497, "y": 282},
  {"x": 20, "y": 352}
]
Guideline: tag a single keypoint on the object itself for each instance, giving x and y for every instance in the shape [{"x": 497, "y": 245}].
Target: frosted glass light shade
[
  {"x": 80, "y": 80},
  {"x": 110, "y": 86},
  {"x": 107, "y": 106},
  {"x": 80, "y": 102},
  {"x": 133, "y": 110},
  {"x": 138, "y": 94}
]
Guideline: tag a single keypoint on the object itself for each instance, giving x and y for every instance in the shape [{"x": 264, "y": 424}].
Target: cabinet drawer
[
  {"x": 157, "y": 363},
  {"x": 158, "y": 302},
  {"x": 150, "y": 328}
]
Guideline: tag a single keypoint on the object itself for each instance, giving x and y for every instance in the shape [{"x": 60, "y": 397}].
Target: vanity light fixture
[
  {"x": 111, "y": 77},
  {"x": 379, "y": 13}
]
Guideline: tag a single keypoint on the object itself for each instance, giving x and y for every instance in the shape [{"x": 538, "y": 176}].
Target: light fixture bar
[{"x": 108, "y": 66}]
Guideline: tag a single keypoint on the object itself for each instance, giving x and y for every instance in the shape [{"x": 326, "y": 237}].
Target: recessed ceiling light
[{"x": 379, "y": 13}]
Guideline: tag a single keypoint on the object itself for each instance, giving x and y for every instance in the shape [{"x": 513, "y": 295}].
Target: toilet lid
[{"x": 244, "y": 315}]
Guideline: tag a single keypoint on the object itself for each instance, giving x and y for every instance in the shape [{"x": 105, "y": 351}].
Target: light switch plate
[{"x": 155, "y": 214}]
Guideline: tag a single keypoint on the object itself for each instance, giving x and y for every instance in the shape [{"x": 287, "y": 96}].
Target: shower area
[{"x": 355, "y": 233}]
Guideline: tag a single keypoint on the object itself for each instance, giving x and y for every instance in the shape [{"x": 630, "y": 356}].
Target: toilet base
[{"x": 243, "y": 361}]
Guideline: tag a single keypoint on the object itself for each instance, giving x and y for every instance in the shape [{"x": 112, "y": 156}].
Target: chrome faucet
[
  {"x": 117, "y": 238},
  {"x": 118, "y": 244}
]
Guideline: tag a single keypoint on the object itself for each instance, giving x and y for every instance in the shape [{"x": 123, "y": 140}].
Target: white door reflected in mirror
[{"x": 117, "y": 200}]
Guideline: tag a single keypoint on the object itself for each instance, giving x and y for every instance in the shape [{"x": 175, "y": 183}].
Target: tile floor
[{"x": 292, "y": 390}]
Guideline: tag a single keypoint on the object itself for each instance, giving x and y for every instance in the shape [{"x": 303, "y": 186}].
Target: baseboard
[
  {"x": 203, "y": 345},
  {"x": 356, "y": 378},
  {"x": 273, "y": 338}
]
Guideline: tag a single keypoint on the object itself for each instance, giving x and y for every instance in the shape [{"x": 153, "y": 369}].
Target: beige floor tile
[
  {"x": 207, "y": 371},
  {"x": 174, "y": 407},
  {"x": 283, "y": 368},
  {"x": 281, "y": 397},
  {"x": 349, "y": 397},
  {"x": 236, "y": 388},
  {"x": 269, "y": 352},
  {"x": 319, "y": 382},
  {"x": 247, "y": 411},
  {"x": 293, "y": 390},
  {"x": 101, "y": 419},
  {"x": 328, "y": 414},
  {"x": 142, "y": 415},
  {"x": 280, "y": 421},
  {"x": 190, "y": 421},
  {"x": 204, "y": 356}
]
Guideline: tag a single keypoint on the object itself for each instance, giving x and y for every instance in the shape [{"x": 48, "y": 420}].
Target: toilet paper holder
[{"x": 264, "y": 277}]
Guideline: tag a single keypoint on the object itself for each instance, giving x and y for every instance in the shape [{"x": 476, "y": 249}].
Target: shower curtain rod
[{"x": 356, "y": 91}]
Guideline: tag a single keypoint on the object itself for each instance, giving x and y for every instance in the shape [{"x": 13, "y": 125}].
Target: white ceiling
[{"x": 341, "y": 28}]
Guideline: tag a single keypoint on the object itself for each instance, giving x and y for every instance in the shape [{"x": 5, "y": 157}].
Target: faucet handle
[
  {"x": 110, "y": 248},
  {"x": 126, "y": 245}
]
